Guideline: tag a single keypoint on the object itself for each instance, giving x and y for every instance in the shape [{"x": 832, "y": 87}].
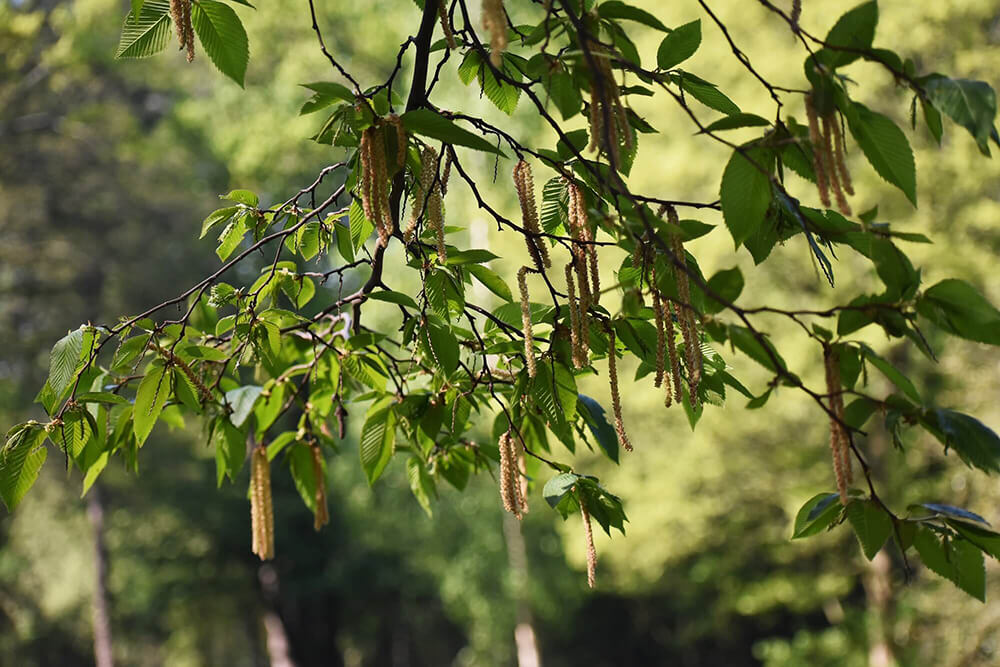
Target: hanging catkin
[
  {"x": 839, "y": 150},
  {"x": 838, "y": 438},
  {"x": 576, "y": 339},
  {"x": 675, "y": 362},
  {"x": 819, "y": 163},
  {"x": 605, "y": 106},
  {"x": 580, "y": 226},
  {"x": 374, "y": 179},
  {"x": 661, "y": 334},
  {"x": 513, "y": 484},
  {"x": 529, "y": 340},
  {"x": 577, "y": 218},
  {"x": 524, "y": 184},
  {"x": 397, "y": 123},
  {"x": 428, "y": 169},
  {"x": 685, "y": 313},
  {"x": 180, "y": 14},
  {"x": 495, "y": 23},
  {"x": 322, "y": 514},
  {"x": 616, "y": 400},
  {"x": 588, "y": 536},
  {"x": 449, "y": 36},
  {"x": 261, "y": 507},
  {"x": 831, "y": 146}
]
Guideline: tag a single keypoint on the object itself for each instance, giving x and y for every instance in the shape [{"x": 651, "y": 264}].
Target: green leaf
[
  {"x": 491, "y": 281},
  {"x": 819, "y": 512},
  {"x": 955, "y": 512},
  {"x": 231, "y": 237},
  {"x": 101, "y": 397},
  {"x": 984, "y": 538},
  {"x": 245, "y": 197},
  {"x": 325, "y": 94},
  {"x": 958, "y": 308},
  {"x": 706, "y": 93},
  {"x": 20, "y": 460},
  {"x": 149, "y": 401},
  {"x": 893, "y": 374},
  {"x": 853, "y": 30},
  {"x": 442, "y": 346},
  {"x": 975, "y": 442},
  {"x": 395, "y": 297},
  {"x": 503, "y": 95},
  {"x": 614, "y": 9},
  {"x": 871, "y": 524},
  {"x": 737, "y": 120},
  {"x": 302, "y": 466},
  {"x": 472, "y": 256},
  {"x": 421, "y": 483},
  {"x": 64, "y": 360},
  {"x": 971, "y": 104},
  {"x": 596, "y": 420},
  {"x": 429, "y": 124},
  {"x": 222, "y": 36},
  {"x": 958, "y": 561},
  {"x": 746, "y": 342},
  {"x": 679, "y": 45},
  {"x": 242, "y": 400},
  {"x": 727, "y": 284},
  {"x": 230, "y": 451},
  {"x": 557, "y": 488},
  {"x": 565, "y": 94},
  {"x": 146, "y": 35},
  {"x": 885, "y": 146},
  {"x": 217, "y": 217},
  {"x": 745, "y": 193},
  {"x": 378, "y": 438}
]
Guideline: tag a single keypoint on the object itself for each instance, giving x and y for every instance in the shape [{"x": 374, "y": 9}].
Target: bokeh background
[{"x": 107, "y": 169}]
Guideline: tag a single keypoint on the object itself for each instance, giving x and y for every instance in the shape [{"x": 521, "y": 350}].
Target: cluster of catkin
[
  {"x": 524, "y": 184},
  {"x": 828, "y": 157},
  {"x": 666, "y": 311},
  {"x": 375, "y": 183},
  {"x": 609, "y": 126},
  {"x": 430, "y": 196},
  {"x": 513, "y": 477},
  {"x": 495, "y": 23},
  {"x": 588, "y": 279},
  {"x": 180, "y": 14},
  {"x": 840, "y": 446},
  {"x": 261, "y": 506}
]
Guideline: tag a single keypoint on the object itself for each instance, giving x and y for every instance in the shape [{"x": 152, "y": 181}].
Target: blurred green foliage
[{"x": 108, "y": 169}]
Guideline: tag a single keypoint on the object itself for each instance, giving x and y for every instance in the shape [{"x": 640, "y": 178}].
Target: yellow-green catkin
[
  {"x": 261, "y": 504},
  {"x": 838, "y": 438},
  {"x": 513, "y": 483},
  {"x": 529, "y": 339},
  {"x": 616, "y": 399},
  {"x": 818, "y": 150},
  {"x": 588, "y": 536},
  {"x": 579, "y": 355},
  {"x": 495, "y": 23},
  {"x": 322, "y": 514},
  {"x": 449, "y": 36}
]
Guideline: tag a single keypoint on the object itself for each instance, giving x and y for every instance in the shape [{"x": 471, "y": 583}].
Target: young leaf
[
  {"x": 20, "y": 460},
  {"x": 149, "y": 401},
  {"x": 854, "y": 30},
  {"x": 596, "y": 420},
  {"x": 64, "y": 360},
  {"x": 490, "y": 281},
  {"x": 679, "y": 45},
  {"x": 222, "y": 36},
  {"x": 615, "y": 9},
  {"x": 242, "y": 400},
  {"x": 378, "y": 437},
  {"x": 975, "y": 442},
  {"x": 421, "y": 483},
  {"x": 146, "y": 35}
]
